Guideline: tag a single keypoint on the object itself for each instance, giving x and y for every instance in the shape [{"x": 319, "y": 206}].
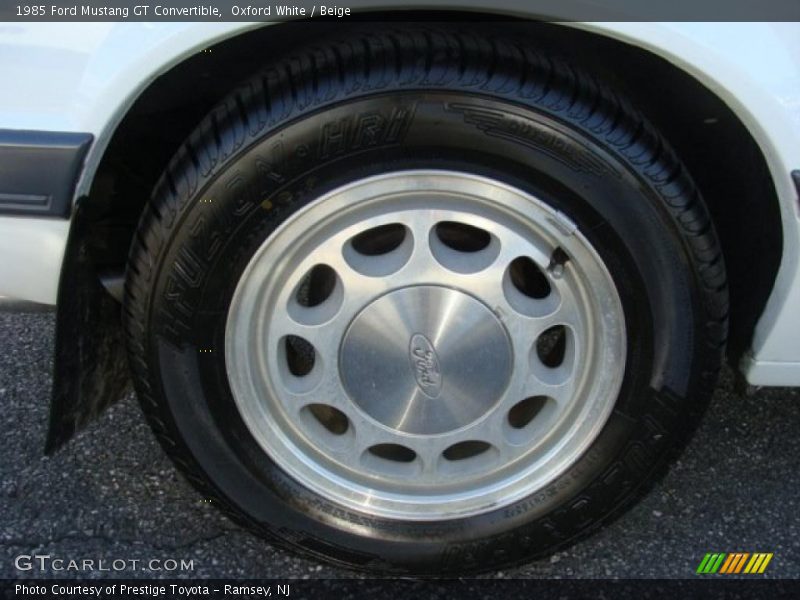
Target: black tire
[{"x": 411, "y": 97}]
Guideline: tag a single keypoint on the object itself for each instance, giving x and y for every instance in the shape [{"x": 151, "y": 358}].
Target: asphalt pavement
[{"x": 112, "y": 494}]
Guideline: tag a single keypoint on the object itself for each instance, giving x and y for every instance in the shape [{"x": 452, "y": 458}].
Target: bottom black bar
[{"x": 396, "y": 589}]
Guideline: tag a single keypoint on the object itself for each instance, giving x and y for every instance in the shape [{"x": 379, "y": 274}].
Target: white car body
[{"x": 83, "y": 77}]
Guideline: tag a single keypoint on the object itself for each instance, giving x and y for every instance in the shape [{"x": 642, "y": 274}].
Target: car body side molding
[{"x": 39, "y": 171}]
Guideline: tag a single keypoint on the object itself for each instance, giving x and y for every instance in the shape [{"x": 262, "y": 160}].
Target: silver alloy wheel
[{"x": 425, "y": 345}]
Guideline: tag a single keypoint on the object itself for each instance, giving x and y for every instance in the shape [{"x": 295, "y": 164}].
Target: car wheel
[{"x": 424, "y": 300}]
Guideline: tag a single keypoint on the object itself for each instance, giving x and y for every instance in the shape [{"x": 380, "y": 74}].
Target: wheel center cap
[{"x": 425, "y": 359}]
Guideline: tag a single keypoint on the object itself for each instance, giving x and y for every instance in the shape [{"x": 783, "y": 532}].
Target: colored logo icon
[{"x": 734, "y": 563}]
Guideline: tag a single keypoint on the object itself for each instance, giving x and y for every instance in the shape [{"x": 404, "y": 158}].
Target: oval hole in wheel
[
  {"x": 462, "y": 237},
  {"x": 551, "y": 346},
  {"x": 528, "y": 278},
  {"x": 330, "y": 418},
  {"x": 300, "y": 355},
  {"x": 379, "y": 240},
  {"x": 525, "y": 411},
  {"x": 379, "y": 251},
  {"x": 316, "y": 286},
  {"x": 465, "y": 450},
  {"x": 393, "y": 452}
]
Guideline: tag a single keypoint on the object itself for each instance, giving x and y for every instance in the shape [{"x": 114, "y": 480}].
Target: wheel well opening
[{"x": 704, "y": 131}]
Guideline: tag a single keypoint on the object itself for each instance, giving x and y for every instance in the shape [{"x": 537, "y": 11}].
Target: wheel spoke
[{"x": 422, "y": 265}]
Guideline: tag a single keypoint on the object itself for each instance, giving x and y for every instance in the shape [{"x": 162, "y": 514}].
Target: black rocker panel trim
[{"x": 39, "y": 171}]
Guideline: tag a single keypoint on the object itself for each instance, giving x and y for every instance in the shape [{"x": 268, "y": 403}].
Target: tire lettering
[
  {"x": 525, "y": 131},
  {"x": 366, "y": 130}
]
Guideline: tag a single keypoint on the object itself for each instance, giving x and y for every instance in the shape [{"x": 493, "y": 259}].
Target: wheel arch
[{"x": 130, "y": 155}]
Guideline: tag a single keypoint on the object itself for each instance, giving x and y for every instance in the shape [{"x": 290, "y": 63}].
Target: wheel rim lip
[{"x": 336, "y": 485}]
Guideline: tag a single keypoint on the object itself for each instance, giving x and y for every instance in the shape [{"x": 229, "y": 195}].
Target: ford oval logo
[{"x": 425, "y": 365}]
